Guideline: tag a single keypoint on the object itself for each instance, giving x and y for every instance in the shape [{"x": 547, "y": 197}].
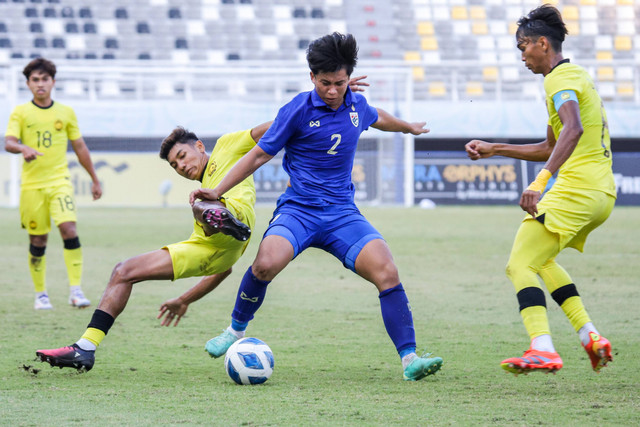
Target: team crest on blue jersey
[
  {"x": 314, "y": 124},
  {"x": 354, "y": 118}
]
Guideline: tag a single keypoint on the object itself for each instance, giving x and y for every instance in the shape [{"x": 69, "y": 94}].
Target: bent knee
[{"x": 121, "y": 273}]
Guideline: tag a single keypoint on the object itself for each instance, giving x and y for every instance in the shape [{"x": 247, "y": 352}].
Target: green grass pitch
[{"x": 335, "y": 364}]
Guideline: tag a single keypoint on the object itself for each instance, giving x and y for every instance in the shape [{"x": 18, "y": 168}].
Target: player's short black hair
[
  {"x": 332, "y": 53},
  {"x": 543, "y": 21},
  {"x": 179, "y": 135},
  {"x": 40, "y": 64}
]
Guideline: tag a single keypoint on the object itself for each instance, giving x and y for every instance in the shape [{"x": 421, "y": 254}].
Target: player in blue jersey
[{"x": 319, "y": 131}]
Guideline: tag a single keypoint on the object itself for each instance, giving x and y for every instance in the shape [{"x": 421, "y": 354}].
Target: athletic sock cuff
[
  {"x": 101, "y": 320},
  {"x": 386, "y": 292},
  {"x": 73, "y": 243},
  {"x": 256, "y": 280},
  {"x": 37, "y": 250}
]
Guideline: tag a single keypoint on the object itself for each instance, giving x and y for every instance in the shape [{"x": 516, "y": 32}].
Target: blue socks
[
  {"x": 250, "y": 297},
  {"x": 396, "y": 314}
]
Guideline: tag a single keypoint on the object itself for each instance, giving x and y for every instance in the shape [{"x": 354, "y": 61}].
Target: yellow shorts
[
  {"x": 573, "y": 213},
  {"x": 39, "y": 206},
  {"x": 203, "y": 256}
]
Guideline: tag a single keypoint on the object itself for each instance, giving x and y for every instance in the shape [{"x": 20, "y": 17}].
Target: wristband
[{"x": 540, "y": 182}]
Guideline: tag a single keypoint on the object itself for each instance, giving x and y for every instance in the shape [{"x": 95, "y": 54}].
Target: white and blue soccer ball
[{"x": 249, "y": 361}]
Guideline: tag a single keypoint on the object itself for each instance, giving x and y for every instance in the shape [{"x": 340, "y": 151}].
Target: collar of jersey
[
  {"x": 318, "y": 102},
  {"x": 564, "y": 61}
]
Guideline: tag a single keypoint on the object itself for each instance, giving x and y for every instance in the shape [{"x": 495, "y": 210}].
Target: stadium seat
[
  {"x": 425, "y": 28},
  {"x": 181, "y": 43},
  {"x": 490, "y": 74},
  {"x": 58, "y": 43},
  {"x": 317, "y": 13},
  {"x": 85, "y": 13},
  {"x": 479, "y": 28},
  {"x": 3, "y": 27},
  {"x": 605, "y": 73},
  {"x": 437, "y": 89},
  {"x": 50, "y": 12},
  {"x": 299, "y": 12},
  {"x": 71, "y": 28},
  {"x": 5, "y": 42},
  {"x": 143, "y": 28},
  {"x": 35, "y": 27},
  {"x": 66, "y": 12},
  {"x": 459, "y": 12},
  {"x": 429, "y": 43},
  {"x": 121, "y": 13},
  {"x": 89, "y": 28},
  {"x": 626, "y": 89},
  {"x": 31, "y": 12},
  {"x": 623, "y": 43},
  {"x": 474, "y": 88},
  {"x": 417, "y": 73},
  {"x": 174, "y": 13},
  {"x": 73, "y": 88},
  {"x": 111, "y": 43}
]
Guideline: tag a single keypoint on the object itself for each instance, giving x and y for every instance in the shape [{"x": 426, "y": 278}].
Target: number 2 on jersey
[{"x": 338, "y": 138}]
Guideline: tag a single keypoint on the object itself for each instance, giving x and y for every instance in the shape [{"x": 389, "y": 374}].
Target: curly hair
[{"x": 543, "y": 21}]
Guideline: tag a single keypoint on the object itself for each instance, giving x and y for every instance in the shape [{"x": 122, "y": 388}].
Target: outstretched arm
[
  {"x": 540, "y": 152},
  {"x": 80, "y": 147},
  {"x": 247, "y": 165},
  {"x": 175, "y": 308},
  {"x": 389, "y": 123}
]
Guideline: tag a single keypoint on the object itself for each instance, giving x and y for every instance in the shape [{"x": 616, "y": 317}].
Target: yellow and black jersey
[
  {"x": 47, "y": 130},
  {"x": 589, "y": 166}
]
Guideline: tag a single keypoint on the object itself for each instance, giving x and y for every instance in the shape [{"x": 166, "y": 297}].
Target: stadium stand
[{"x": 456, "y": 49}]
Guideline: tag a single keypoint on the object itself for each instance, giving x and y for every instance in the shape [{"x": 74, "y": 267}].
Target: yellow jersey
[
  {"x": 589, "y": 166},
  {"x": 241, "y": 199},
  {"x": 47, "y": 130}
]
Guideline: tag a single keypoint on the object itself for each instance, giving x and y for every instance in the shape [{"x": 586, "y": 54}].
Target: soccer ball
[{"x": 249, "y": 361}]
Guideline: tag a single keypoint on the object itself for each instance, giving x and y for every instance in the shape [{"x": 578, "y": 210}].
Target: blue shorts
[{"x": 340, "y": 230}]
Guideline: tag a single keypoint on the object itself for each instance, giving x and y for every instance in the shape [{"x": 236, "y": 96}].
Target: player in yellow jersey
[
  {"x": 40, "y": 130},
  {"x": 220, "y": 235},
  {"x": 579, "y": 149}
]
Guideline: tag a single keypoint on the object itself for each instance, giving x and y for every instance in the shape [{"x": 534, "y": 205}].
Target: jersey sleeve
[
  {"x": 371, "y": 116},
  {"x": 282, "y": 130},
  {"x": 561, "y": 81},
  {"x": 73, "y": 131},
  {"x": 14, "y": 127},
  {"x": 239, "y": 142}
]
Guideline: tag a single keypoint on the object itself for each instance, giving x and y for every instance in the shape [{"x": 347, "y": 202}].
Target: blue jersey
[{"x": 319, "y": 145}]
